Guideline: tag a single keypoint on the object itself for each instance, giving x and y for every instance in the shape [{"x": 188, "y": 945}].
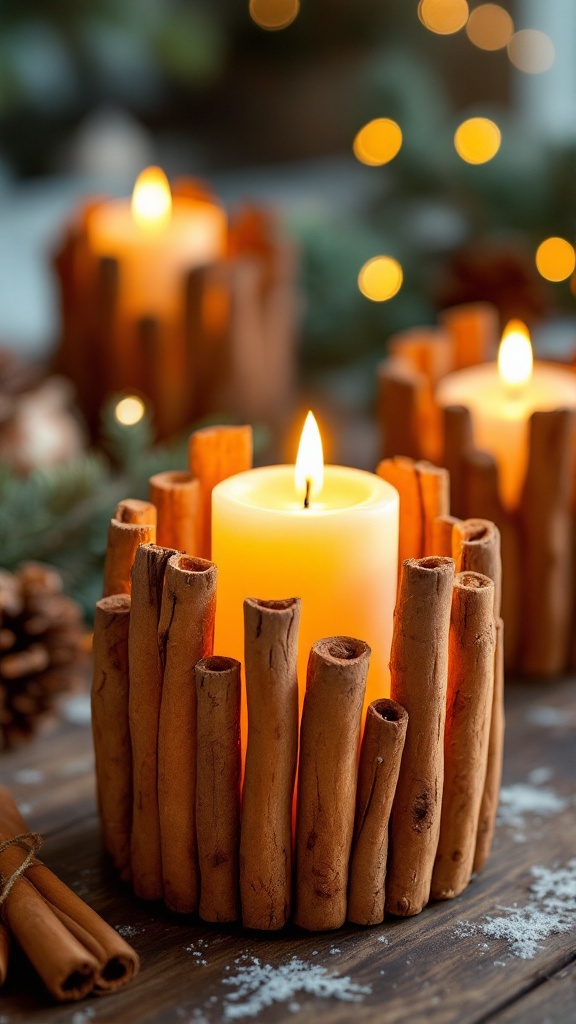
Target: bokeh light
[
  {"x": 531, "y": 51},
  {"x": 378, "y": 142},
  {"x": 130, "y": 410},
  {"x": 380, "y": 278},
  {"x": 443, "y": 16},
  {"x": 555, "y": 259},
  {"x": 489, "y": 27},
  {"x": 274, "y": 14},
  {"x": 477, "y": 140}
]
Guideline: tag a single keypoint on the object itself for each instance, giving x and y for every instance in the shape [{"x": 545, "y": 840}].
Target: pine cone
[{"x": 42, "y": 649}]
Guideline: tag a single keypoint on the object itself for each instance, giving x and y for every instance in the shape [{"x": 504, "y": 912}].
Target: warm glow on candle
[
  {"x": 152, "y": 201},
  {"x": 309, "y": 469},
  {"x": 515, "y": 357}
]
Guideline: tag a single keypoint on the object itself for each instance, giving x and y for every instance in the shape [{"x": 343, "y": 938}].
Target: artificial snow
[{"x": 260, "y": 985}]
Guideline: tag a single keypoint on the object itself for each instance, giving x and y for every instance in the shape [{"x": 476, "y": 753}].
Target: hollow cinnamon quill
[
  {"x": 381, "y": 753},
  {"x": 144, "y": 716},
  {"x": 400, "y": 472},
  {"x": 176, "y": 496},
  {"x": 218, "y": 786},
  {"x": 216, "y": 453},
  {"x": 491, "y": 791},
  {"x": 419, "y": 677},
  {"x": 468, "y": 715},
  {"x": 329, "y": 740},
  {"x": 271, "y": 656},
  {"x": 110, "y": 727},
  {"x": 124, "y": 538},
  {"x": 434, "y": 484},
  {"x": 186, "y": 634}
]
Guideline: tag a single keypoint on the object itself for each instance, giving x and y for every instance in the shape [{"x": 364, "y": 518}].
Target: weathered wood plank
[
  {"x": 422, "y": 971},
  {"x": 551, "y": 1002}
]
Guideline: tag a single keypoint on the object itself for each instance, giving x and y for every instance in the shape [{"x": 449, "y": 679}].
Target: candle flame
[
  {"x": 152, "y": 200},
  {"x": 515, "y": 357},
  {"x": 309, "y": 470}
]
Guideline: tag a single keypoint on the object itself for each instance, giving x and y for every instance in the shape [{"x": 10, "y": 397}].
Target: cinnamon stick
[
  {"x": 491, "y": 791},
  {"x": 5, "y": 943},
  {"x": 401, "y": 392},
  {"x": 216, "y": 453},
  {"x": 271, "y": 656},
  {"x": 186, "y": 634},
  {"x": 419, "y": 677},
  {"x": 381, "y": 753},
  {"x": 434, "y": 484},
  {"x": 329, "y": 739},
  {"x": 110, "y": 727},
  {"x": 144, "y": 716},
  {"x": 546, "y": 523},
  {"x": 468, "y": 716},
  {"x": 118, "y": 963},
  {"x": 442, "y": 530},
  {"x": 458, "y": 446},
  {"x": 400, "y": 472},
  {"x": 176, "y": 496},
  {"x": 218, "y": 786},
  {"x": 473, "y": 327},
  {"x": 476, "y": 548},
  {"x": 132, "y": 510},
  {"x": 123, "y": 541}
]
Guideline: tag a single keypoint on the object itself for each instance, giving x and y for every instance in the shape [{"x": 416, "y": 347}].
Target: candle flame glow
[
  {"x": 309, "y": 469},
  {"x": 515, "y": 357},
  {"x": 152, "y": 200}
]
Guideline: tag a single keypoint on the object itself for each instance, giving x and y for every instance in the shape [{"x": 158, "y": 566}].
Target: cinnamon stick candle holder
[
  {"x": 375, "y": 825},
  {"x": 539, "y": 578},
  {"x": 227, "y": 343}
]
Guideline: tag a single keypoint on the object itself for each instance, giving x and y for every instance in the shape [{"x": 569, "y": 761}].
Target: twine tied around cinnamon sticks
[{"x": 29, "y": 841}]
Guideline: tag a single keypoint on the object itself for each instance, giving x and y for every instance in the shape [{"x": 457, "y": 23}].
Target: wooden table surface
[{"x": 423, "y": 969}]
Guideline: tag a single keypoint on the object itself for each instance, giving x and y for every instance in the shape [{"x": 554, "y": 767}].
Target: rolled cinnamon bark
[
  {"x": 442, "y": 530},
  {"x": 186, "y": 634},
  {"x": 176, "y": 496},
  {"x": 216, "y": 453},
  {"x": 132, "y": 510},
  {"x": 123, "y": 541},
  {"x": 491, "y": 791},
  {"x": 144, "y": 717},
  {"x": 473, "y": 327},
  {"x": 381, "y": 753},
  {"x": 419, "y": 677},
  {"x": 271, "y": 657},
  {"x": 118, "y": 963},
  {"x": 401, "y": 394},
  {"x": 400, "y": 472},
  {"x": 328, "y": 767},
  {"x": 434, "y": 484},
  {"x": 467, "y": 732},
  {"x": 476, "y": 548},
  {"x": 458, "y": 446},
  {"x": 546, "y": 524},
  {"x": 110, "y": 727},
  {"x": 218, "y": 786}
]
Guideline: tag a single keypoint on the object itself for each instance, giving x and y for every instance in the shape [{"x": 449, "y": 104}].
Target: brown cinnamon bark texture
[
  {"x": 546, "y": 523},
  {"x": 144, "y": 716},
  {"x": 123, "y": 542},
  {"x": 476, "y": 548},
  {"x": 442, "y": 530},
  {"x": 176, "y": 496},
  {"x": 401, "y": 392},
  {"x": 400, "y": 472},
  {"x": 491, "y": 791},
  {"x": 216, "y": 453},
  {"x": 381, "y": 753},
  {"x": 133, "y": 510},
  {"x": 271, "y": 657},
  {"x": 434, "y": 484},
  {"x": 419, "y": 677},
  {"x": 218, "y": 786},
  {"x": 110, "y": 727},
  {"x": 327, "y": 773},
  {"x": 467, "y": 732},
  {"x": 458, "y": 446},
  {"x": 473, "y": 327},
  {"x": 186, "y": 634}
]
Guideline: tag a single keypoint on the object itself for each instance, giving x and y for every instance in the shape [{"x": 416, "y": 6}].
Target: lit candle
[
  {"x": 156, "y": 238},
  {"x": 326, "y": 534},
  {"x": 501, "y": 397}
]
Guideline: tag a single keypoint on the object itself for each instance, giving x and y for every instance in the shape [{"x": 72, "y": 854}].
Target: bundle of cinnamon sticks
[{"x": 73, "y": 950}]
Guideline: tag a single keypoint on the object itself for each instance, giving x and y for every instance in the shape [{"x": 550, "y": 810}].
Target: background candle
[
  {"x": 340, "y": 556},
  {"x": 501, "y": 398},
  {"x": 156, "y": 239}
]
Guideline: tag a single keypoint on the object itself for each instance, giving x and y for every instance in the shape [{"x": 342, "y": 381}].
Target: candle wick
[{"x": 307, "y": 495}]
